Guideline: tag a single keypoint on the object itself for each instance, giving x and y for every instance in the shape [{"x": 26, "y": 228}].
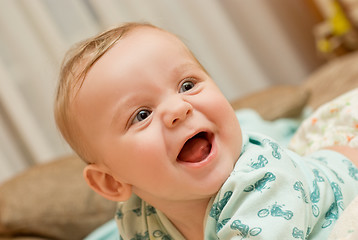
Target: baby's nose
[{"x": 175, "y": 111}]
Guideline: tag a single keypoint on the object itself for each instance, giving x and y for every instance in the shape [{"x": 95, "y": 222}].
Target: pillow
[
  {"x": 283, "y": 101},
  {"x": 22, "y": 238},
  {"x": 52, "y": 201},
  {"x": 346, "y": 228},
  {"x": 332, "y": 79}
]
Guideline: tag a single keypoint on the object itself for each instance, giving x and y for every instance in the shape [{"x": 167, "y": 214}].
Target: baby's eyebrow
[{"x": 180, "y": 69}]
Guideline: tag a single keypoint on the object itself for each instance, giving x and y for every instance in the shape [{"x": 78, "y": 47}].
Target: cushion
[
  {"x": 52, "y": 201},
  {"x": 332, "y": 79},
  {"x": 346, "y": 227},
  {"x": 282, "y": 101},
  {"x": 22, "y": 238}
]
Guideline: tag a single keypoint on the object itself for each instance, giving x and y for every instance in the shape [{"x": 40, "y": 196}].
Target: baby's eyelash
[
  {"x": 141, "y": 115},
  {"x": 187, "y": 84}
]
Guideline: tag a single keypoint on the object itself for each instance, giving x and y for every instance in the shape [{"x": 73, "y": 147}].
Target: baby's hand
[{"x": 333, "y": 124}]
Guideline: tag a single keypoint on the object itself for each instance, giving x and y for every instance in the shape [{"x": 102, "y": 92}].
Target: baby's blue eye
[
  {"x": 142, "y": 115},
  {"x": 186, "y": 86}
]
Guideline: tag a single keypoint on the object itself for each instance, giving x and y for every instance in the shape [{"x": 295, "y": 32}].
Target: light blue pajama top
[{"x": 272, "y": 193}]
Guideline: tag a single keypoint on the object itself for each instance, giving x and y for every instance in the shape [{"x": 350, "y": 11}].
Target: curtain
[{"x": 244, "y": 45}]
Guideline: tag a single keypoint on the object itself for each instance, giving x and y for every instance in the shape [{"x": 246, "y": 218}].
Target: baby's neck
[{"x": 188, "y": 218}]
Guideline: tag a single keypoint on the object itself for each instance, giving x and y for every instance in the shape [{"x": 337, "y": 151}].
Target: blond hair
[{"x": 75, "y": 66}]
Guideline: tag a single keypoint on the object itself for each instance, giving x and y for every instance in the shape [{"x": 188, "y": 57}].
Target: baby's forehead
[
  {"x": 140, "y": 49},
  {"x": 144, "y": 38},
  {"x": 143, "y": 33}
]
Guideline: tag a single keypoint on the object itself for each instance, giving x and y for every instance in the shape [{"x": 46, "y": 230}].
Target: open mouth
[{"x": 196, "y": 149}]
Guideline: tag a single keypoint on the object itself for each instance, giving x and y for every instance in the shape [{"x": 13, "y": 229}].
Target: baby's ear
[{"x": 105, "y": 185}]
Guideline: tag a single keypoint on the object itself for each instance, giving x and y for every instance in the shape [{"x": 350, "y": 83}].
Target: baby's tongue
[{"x": 195, "y": 150}]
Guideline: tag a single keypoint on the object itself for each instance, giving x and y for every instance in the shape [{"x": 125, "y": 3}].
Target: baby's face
[{"x": 156, "y": 120}]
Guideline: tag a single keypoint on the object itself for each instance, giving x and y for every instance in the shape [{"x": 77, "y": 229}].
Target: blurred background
[{"x": 246, "y": 45}]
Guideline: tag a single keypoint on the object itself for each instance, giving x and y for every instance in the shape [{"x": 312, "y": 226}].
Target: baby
[{"x": 161, "y": 139}]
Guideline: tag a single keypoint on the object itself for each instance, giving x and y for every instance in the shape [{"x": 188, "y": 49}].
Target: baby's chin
[{"x": 217, "y": 183}]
